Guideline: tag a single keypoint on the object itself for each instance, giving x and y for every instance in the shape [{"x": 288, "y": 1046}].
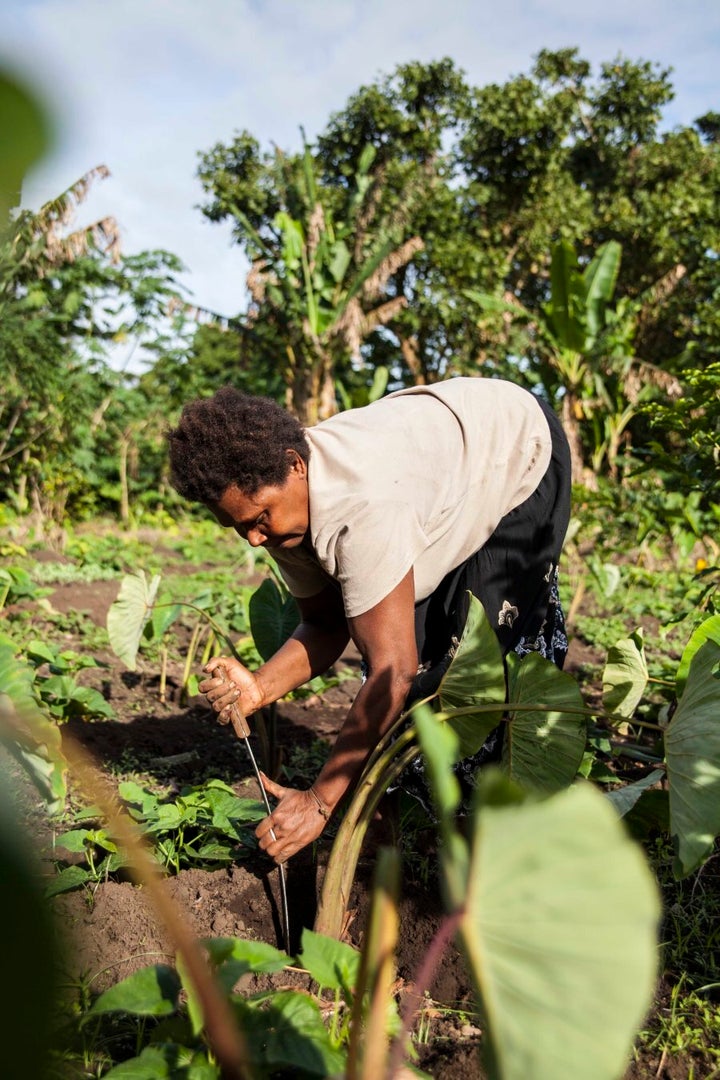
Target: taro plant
[
  {"x": 272, "y": 614},
  {"x": 27, "y": 730},
  {"x": 549, "y": 899},
  {"x": 545, "y": 740}
]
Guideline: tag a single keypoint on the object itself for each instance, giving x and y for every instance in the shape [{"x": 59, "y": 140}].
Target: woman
[{"x": 380, "y": 520}]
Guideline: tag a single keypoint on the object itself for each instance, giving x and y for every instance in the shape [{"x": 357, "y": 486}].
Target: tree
[
  {"x": 64, "y": 298},
  {"x": 319, "y": 277},
  {"x": 491, "y": 179}
]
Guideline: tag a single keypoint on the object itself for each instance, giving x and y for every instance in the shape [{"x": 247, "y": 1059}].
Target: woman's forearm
[
  {"x": 377, "y": 705},
  {"x": 310, "y": 651}
]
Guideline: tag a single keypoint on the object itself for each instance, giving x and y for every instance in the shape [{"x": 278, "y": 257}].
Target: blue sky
[{"x": 143, "y": 85}]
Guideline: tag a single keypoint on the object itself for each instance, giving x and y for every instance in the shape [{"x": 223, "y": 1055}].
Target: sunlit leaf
[
  {"x": 475, "y": 677},
  {"x": 709, "y": 630},
  {"x": 129, "y": 613},
  {"x": 543, "y": 748},
  {"x": 166, "y": 1062},
  {"x": 560, "y": 901},
  {"x": 333, "y": 964},
  {"x": 28, "y": 732},
  {"x": 625, "y": 676},
  {"x": 151, "y": 991},
  {"x": 692, "y": 753}
]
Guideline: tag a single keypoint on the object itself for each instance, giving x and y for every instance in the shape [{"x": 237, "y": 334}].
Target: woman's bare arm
[{"x": 385, "y": 636}]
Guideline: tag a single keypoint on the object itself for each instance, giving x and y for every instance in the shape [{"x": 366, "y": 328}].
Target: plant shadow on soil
[{"x": 109, "y": 931}]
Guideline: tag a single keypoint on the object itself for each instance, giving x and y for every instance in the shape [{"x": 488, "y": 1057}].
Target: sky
[{"x": 142, "y": 86}]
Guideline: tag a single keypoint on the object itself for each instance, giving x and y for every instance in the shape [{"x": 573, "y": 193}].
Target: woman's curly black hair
[{"x": 232, "y": 438}]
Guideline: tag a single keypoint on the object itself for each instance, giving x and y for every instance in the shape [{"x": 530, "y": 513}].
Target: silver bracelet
[{"x": 323, "y": 810}]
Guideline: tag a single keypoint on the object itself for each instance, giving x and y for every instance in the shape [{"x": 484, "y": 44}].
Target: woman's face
[{"x": 276, "y": 516}]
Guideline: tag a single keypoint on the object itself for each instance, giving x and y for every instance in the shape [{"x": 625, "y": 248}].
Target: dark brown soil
[{"x": 109, "y": 930}]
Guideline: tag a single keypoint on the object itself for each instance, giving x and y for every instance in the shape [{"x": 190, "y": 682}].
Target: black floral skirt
[{"x": 515, "y": 576}]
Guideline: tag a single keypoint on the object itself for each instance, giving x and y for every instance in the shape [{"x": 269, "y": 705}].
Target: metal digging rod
[{"x": 242, "y": 730}]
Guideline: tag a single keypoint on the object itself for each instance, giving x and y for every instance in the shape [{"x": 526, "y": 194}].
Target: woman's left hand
[{"x": 294, "y": 823}]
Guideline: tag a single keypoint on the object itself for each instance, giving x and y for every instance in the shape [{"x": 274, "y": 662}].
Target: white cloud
[{"x": 143, "y": 85}]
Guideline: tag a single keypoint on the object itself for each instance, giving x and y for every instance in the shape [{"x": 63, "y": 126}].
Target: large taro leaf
[
  {"x": 475, "y": 678},
  {"x": 273, "y": 617},
  {"x": 129, "y": 613},
  {"x": 692, "y": 754},
  {"x": 31, "y": 736},
  {"x": 543, "y": 747},
  {"x": 560, "y": 933},
  {"x": 625, "y": 676},
  {"x": 709, "y": 630}
]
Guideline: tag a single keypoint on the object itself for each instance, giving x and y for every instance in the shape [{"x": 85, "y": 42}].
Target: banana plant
[
  {"x": 569, "y": 328},
  {"x": 322, "y": 282}
]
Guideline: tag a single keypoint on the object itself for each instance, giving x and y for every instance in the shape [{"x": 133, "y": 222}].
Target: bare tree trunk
[
  {"x": 411, "y": 356},
  {"x": 123, "y": 470},
  {"x": 571, "y": 426}
]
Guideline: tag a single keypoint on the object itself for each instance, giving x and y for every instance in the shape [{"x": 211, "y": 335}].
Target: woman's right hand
[{"x": 229, "y": 684}]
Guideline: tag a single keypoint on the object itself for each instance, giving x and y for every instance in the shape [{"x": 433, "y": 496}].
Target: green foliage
[
  {"x": 129, "y": 613},
  {"x": 284, "y": 1029},
  {"x": 692, "y": 744},
  {"x": 27, "y": 730},
  {"x": 205, "y": 825},
  {"x": 273, "y": 617}
]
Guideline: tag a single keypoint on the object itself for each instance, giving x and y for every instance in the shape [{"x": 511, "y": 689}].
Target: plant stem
[
  {"x": 421, "y": 983},
  {"x": 345, "y": 853}
]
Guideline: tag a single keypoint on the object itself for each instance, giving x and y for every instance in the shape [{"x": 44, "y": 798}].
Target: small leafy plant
[{"x": 207, "y": 825}]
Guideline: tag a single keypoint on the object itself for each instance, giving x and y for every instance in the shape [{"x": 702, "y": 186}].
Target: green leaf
[
  {"x": 476, "y": 677},
  {"x": 273, "y": 617},
  {"x": 333, "y": 964},
  {"x": 288, "y": 1033},
  {"x": 560, "y": 902},
  {"x": 709, "y": 630},
  {"x": 562, "y": 311},
  {"x": 235, "y": 957},
  {"x": 494, "y": 304},
  {"x": 35, "y": 740},
  {"x": 76, "y": 840},
  {"x": 131, "y": 792},
  {"x": 692, "y": 753},
  {"x": 151, "y": 991},
  {"x": 440, "y": 745},
  {"x": 544, "y": 748},
  {"x": 92, "y": 702},
  {"x": 625, "y": 676},
  {"x": 600, "y": 278},
  {"x": 624, "y": 798},
  {"x": 129, "y": 613},
  {"x": 69, "y": 878},
  {"x": 39, "y": 652},
  {"x": 339, "y": 261},
  {"x": 24, "y": 138},
  {"x": 166, "y": 1062}
]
